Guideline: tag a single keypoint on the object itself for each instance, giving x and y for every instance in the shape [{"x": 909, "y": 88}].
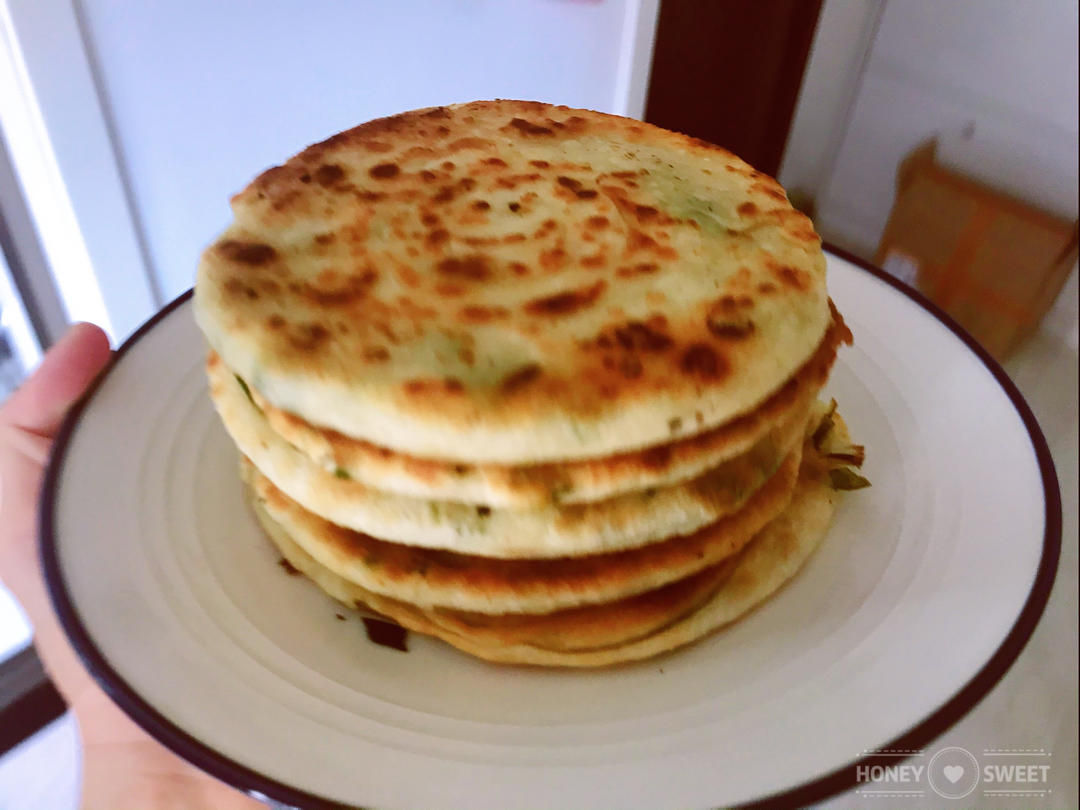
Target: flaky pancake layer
[
  {"x": 554, "y": 530},
  {"x": 621, "y": 631}
]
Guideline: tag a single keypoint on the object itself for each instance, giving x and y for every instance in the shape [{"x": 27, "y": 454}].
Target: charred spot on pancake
[
  {"x": 575, "y": 186},
  {"x": 325, "y": 239},
  {"x": 288, "y": 567},
  {"x": 453, "y": 385},
  {"x": 494, "y": 161},
  {"x": 427, "y": 176},
  {"x": 437, "y": 237},
  {"x": 329, "y": 175},
  {"x": 597, "y": 223},
  {"x": 547, "y": 226},
  {"x": 529, "y": 128},
  {"x": 407, "y": 274},
  {"x": 376, "y": 354},
  {"x": 253, "y": 254},
  {"x": 235, "y": 286},
  {"x": 607, "y": 389},
  {"x": 384, "y": 171},
  {"x": 566, "y": 302},
  {"x": 275, "y": 321},
  {"x": 639, "y": 269},
  {"x": 630, "y": 367},
  {"x": 766, "y": 288},
  {"x": 638, "y": 240},
  {"x": 728, "y": 317},
  {"x": 674, "y": 425},
  {"x": 308, "y": 337},
  {"x": 790, "y": 276},
  {"x": 482, "y": 314},
  {"x": 639, "y": 336},
  {"x": 519, "y": 268},
  {"x": 553, "y": 259},
  {"x": 770, "y": 189},
  {"x": 483, "y": 511},
  {"x": 473, "y": 268},
  {"x": 702, "y": 360},
  {"x": 732, "y": 327},
  {"x": 520, "y": 378},
  {"x": 470, "y": 142},
  {"x": 656, "y": 458},
  {"x": 747, "y": 209},
  {"x": 354, "y": 288},
  {"x": 481, "y": 205},
  {"x": 447, "y": 193},
  {"x": 514, "y": 206}
]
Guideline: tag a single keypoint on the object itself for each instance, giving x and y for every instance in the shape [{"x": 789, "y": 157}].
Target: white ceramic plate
[{"x": 920, "y": 597}]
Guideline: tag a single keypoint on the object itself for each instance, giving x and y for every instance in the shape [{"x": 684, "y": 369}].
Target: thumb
[
  {"x": 28, "y": 421},
  {"x": 70, "y": 365}
]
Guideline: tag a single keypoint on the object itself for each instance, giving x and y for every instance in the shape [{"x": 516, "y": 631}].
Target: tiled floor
[{"x": 1034, "y": 706}]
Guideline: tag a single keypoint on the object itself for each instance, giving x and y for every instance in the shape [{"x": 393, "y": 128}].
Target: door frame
[{"x": 70, "y": 177}]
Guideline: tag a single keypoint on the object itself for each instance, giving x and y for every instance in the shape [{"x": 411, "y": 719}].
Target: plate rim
[{"x": 843, "y": 778}]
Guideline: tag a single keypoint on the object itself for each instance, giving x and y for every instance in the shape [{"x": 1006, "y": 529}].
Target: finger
[
  {"x": 27, "y": 421},
  {"x": 68, "y": 368}
]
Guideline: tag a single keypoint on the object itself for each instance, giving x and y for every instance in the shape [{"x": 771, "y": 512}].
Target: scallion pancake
[{"x": 512, "y": 282}]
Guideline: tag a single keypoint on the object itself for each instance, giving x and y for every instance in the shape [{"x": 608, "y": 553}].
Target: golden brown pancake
[
  {"x": 626, "y": 630},
  {"x": 536, "y": 381},
  {"x": 512, "y": 282},
  {"x": 625, "y": 521},
  {"x": 519, "y": 487},
  {"x": 429, "y": 578}
]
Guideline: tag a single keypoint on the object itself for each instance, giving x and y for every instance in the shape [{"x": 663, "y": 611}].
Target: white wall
[
  {"x": 203, "y": 95},
  {"x": 1007, "y": 66},
  {"x": 842, "y": 41}
]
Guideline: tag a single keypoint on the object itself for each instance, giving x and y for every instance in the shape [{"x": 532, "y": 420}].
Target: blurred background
[{"x": 937, "y": 138}]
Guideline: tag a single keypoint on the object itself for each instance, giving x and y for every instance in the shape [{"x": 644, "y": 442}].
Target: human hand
[{"x": 123, "y": 767}]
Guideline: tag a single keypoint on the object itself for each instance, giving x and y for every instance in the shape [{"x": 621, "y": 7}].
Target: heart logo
[{"x": 954, "y": 773}]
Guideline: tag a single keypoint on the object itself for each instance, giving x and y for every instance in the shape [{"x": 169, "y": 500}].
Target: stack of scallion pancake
[{"x": 540, "y": 382}]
